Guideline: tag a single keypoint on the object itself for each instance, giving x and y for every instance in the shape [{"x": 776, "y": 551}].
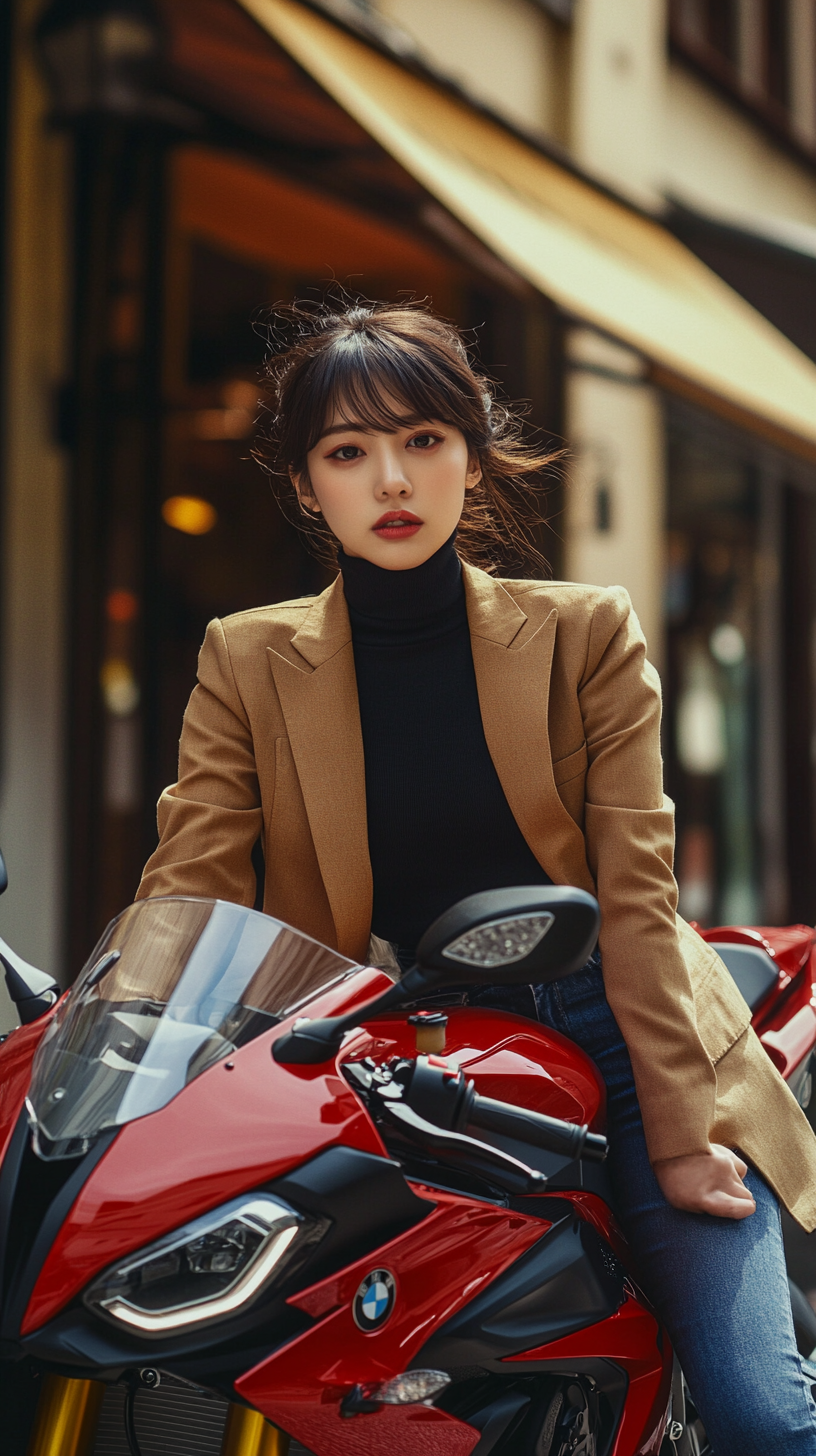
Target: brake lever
[{"x": 507, "y": 1172}]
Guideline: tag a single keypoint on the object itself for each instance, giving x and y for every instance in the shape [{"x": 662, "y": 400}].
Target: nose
[{"x": 392, "y": 480}]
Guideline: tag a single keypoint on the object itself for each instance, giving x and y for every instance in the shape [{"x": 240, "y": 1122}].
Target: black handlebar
[
  {"x": 443, "y": 1095},
  {"x": 550, "y": 1133}
]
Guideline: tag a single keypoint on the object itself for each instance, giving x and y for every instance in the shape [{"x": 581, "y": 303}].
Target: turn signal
[{"x": 413, "y": 1387}]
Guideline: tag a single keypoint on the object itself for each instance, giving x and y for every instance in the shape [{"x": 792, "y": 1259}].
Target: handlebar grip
[
  {"x": 550, "y": 1133},
  {"x": 595, "y": 1148}
]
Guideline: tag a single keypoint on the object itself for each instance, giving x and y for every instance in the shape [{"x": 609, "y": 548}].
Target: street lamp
[{"x": 103, "y": 57}]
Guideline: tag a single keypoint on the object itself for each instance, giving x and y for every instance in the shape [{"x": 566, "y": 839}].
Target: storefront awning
[{"x": 599, "y": 260}]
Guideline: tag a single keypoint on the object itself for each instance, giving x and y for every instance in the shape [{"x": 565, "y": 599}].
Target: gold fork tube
[
  {"x": 67, "y": 1415},
  {"x": 248, "y": 1434}
]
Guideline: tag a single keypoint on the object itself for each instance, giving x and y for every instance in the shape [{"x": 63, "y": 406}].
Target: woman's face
[{"x": 393, "y": 498}]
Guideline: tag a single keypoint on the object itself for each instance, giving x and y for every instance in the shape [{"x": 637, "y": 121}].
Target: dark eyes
[{"x": 423, "y": 441}]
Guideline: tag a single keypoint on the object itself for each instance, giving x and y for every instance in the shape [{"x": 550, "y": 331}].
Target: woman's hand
[{"x": 706, "y": 1183}]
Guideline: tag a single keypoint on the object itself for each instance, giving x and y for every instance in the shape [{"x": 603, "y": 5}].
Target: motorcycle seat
[{"x": 752, "y": 969}]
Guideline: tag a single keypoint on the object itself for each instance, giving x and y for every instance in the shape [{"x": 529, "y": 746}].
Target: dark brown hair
[{"x": 391, "y": 365}]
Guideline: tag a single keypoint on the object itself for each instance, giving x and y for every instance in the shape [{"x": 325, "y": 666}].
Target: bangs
[{"x": 365, "y": 380}]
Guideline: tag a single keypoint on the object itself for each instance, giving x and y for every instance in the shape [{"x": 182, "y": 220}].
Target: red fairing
[
  {"x": 16, "y": 1056},
  {"x": 791, "y": 947},
  {"x": 630, "y": 1338},
  {"x": 227, "y": 1132},
  {"x": 785, "y": 1020},
  {"x": 438, "y": 1267},
  {"x": 508, "y": 1057}
]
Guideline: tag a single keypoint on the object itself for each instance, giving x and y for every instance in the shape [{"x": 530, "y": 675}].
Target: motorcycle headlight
[{"x": 207, "y": 1270}]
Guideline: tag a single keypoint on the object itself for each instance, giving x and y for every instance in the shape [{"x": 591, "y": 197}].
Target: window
[
  {"x": 739, "y": 726},
  {"x": 776, "y": 51},
  {"x": 721, "y": 19},
  {"x": 748, "y": 47},
  {"x": 714, "y": 661}
]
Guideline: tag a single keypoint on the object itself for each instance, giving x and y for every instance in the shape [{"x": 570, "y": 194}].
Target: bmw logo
[{"x": 374, "y": 1300}]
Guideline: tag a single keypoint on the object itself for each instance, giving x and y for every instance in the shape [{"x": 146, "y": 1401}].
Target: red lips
[{"x": 397, "y": 525}]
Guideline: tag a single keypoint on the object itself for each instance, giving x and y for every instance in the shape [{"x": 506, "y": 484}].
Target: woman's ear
[
  {"x": 474, "y": 473},
  {"x": 303, "y": 490}
]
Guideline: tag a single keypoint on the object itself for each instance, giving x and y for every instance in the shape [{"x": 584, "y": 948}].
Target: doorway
[{"x": 198, "y": 534}]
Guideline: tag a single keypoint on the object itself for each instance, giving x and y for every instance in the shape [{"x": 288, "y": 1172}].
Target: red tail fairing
[{"x": 775, "y": 969}]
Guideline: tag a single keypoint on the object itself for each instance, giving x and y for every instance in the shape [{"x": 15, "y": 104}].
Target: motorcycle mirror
[
  {"x": 528, "y": 933},
  {"x": 532, "y": 933},
  {"x": 33, "y": 992},
  {"x": 3, "y": 874}
]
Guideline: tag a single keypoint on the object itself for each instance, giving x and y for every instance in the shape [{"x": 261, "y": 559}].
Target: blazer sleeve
[
  {"x": 629, "y": 830},
  {"x": 211, "y": 818}
]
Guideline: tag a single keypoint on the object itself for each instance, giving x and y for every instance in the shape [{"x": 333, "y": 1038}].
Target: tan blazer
[{"x": 272, "y": 747}]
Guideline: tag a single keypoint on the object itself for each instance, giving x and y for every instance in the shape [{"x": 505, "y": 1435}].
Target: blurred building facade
[{"x": 173, "y": 168}]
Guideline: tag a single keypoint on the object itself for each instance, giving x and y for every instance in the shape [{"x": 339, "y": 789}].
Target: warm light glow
[
  {"x": 122, "y": 606},
  {"x": 240, "y": 394},
  {"x": 119, "y": 687},
  {"x": 190, "y": 514},
  {"x": 222, "y": 424}
]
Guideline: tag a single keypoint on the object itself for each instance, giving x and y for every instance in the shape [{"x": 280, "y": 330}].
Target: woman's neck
[{"x": 403, "y": 596}]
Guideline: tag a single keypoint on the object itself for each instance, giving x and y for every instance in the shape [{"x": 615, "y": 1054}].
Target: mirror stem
[{"x": 318, "y": 1041}]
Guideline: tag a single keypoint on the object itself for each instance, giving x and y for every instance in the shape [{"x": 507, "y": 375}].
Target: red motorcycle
[{"x": 255, "y": 1198}]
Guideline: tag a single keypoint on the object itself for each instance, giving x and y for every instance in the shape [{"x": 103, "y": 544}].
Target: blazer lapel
[
  {"x": 318, "y": 695},
  {"x": 512, "y": 657}
]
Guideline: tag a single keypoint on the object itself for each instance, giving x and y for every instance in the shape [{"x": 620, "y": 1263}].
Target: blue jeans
[{"x": 719, "y": 1285}]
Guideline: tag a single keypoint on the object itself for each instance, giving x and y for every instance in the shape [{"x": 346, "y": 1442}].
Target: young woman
[{"x": 423, "y": 730}]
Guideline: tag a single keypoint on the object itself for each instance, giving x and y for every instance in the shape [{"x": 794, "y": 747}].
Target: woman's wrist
[{"x": 701, "y": 1151}]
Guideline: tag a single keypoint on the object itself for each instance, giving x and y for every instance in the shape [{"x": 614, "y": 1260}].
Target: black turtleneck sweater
[{"x": 439, "y": 825}]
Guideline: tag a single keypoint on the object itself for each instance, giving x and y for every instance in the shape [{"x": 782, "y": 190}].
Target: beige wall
[
  {"x": 717, "y": 160},
  {"x": 613, "y": 418},
  {"x": 33, "y": 534},
  {"x": 507, "y": 53},
  {"x": 616, "y": 113},
  {"x": 615, "y": 429}
]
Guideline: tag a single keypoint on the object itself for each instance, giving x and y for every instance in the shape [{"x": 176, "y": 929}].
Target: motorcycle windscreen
[{"x": 173, "y": 986}]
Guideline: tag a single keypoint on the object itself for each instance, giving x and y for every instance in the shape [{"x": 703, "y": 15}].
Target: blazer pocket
[
  {"x": 722, "y": 1013},
  {"x": 570, "y": 767}
]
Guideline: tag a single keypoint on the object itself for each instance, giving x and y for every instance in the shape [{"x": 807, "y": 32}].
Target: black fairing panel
[
  {"x": 365, "y": 1196},
  {"x": 507, "y": 1405},
  {"x": 568, "y": 1280}
]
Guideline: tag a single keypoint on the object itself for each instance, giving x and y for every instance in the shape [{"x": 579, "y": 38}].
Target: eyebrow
[
  {"x": 349, "y": 425},
  {"x": 366, "y": 429}
]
